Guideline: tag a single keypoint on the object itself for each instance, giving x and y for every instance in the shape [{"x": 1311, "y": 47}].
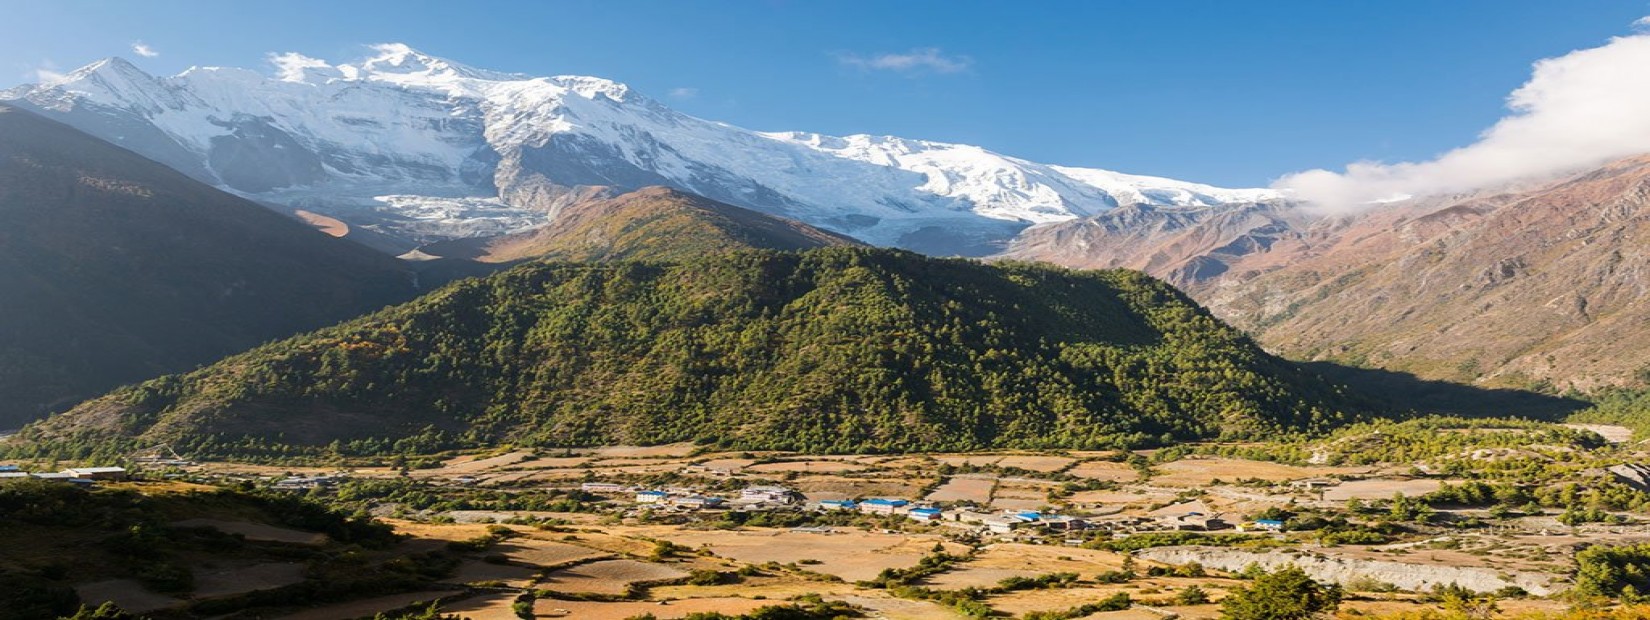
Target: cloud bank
[
  {"x": 143, "y": 49},
  {"x": 929, "y": 59},
  {"x": 1578, "y": 110}
]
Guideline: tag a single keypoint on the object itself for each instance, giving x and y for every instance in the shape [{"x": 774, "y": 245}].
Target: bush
[
  {"x": 1191, "y": 595},
  {"x": 1287, "y": 594}
]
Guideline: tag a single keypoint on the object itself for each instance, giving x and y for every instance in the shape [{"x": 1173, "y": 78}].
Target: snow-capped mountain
[{"x": 424, "y": 149}]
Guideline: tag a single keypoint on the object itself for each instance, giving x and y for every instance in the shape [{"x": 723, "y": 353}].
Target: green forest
[{"x": 832, "y": 350}]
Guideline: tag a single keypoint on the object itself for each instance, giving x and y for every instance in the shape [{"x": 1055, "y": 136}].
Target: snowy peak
[
  {"x": 422, "y": 148},
  {"x": 117, "y": 82},
  {"x": 397, "y": 60}
]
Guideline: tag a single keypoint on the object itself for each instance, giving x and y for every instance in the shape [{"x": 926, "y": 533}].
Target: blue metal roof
[
  {"x": 885, "y": 502},
  {"x": 925, "y": 511},
  {"x": 1268, "y": 522}
]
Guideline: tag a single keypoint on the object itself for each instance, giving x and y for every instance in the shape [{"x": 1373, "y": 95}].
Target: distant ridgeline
[{"x": 831, "y": 350}]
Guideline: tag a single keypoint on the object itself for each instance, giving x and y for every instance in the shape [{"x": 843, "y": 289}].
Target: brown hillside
[{"x": 114, "y": 268}]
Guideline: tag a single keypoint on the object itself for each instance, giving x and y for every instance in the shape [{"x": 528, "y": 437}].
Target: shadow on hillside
[{"x": 1401, "y": 391}]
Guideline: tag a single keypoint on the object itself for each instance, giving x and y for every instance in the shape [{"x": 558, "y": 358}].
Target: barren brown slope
[
  {"x": 1188, "y": 246},
  {"x": 114, "y": 268},
  {"x": 654, "y": 223},
  {"x": 1538, "y": 285}
]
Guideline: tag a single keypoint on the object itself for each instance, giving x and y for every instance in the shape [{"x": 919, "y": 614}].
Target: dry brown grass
[
  {"x": 544, "y": 553},
  {"x": 368, "y": 607},
  {"x": 1032, "y": 462},
  {"x": 1380, "y": 489},
  {"x": 1193, "y": 472},
  {"x": 486, "y": 606},
  {"x": 1105, "y": 470},
  {"x": 329, "y": 225},
  {"x": 607, "y": 576},
  {"x": 976, "y": 490},
  {"x": 841, "y": 487},
  {"x": 853, "y": 556},
  {"x": 813, "y": 467},
  {"x": 1024, "y": 601},
  {"x": 586, "y": 610},
  {"x": 224, "y": 582},
  {"x": 474, "y": 571},
  {"x": 667, "y": 450},
  {"x": 883, "y": 606}
]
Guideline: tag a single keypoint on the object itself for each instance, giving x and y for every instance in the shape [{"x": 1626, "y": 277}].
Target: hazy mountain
[
  {"x": 424, "y": 149},
  {"x": 114, "y": 268},
  {"x": 835, "y": 349}
]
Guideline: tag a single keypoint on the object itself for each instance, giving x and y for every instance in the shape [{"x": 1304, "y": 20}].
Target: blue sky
[{"x": 1217, "y": 91}]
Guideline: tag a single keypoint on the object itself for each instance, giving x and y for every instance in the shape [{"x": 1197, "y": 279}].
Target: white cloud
[
  {"x": 142, "y": 49},
  {"x": 295, "y": 67},
  {"x": 1642, "y": 22},
  {"x": 44, "y": 73},
  {"x": 684, "y": 92},
  {"x": 914, "y": 61},
  {"x": 1578, "y": 110}
]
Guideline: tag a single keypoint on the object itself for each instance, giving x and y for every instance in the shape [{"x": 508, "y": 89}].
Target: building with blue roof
[{"x": 883, "y": 506}]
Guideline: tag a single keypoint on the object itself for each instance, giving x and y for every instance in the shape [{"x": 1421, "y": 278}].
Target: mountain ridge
[
  {"x": 652, "y": 223},
  {"x": 468, "y": 152}
]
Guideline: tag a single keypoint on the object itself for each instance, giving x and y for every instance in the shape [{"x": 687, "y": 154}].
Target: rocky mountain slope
[
  {"x": 425, "y": 149},
  {"x": 654, "y": 223},
  {"x": 835, "y": 350},
  {"x": 114, "y": 268},
  {"x": 1188, "y": 246},
  {"x": 1538, "y": 285},
  {"x": 1534, "y": 284}
]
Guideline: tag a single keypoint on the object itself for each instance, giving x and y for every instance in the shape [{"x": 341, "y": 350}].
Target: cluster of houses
[
  {"x": 1005, "y": 522},
  {"x": 751, "y": 498},
  {"x": 1185, "y": 516},
  {"x": 86, "y": 476}
]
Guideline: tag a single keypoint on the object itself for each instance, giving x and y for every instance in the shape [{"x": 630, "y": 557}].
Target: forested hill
[{"x": 836, "y": 349}]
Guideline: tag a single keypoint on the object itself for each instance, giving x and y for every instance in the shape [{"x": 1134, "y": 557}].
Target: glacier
[{"x": 419, "y": 149}]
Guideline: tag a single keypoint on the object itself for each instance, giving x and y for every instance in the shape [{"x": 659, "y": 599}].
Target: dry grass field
[
  {"x": 1032, "y": 462},
  {"x": 257, "y": 531},
  {"x": 607, "y": 576},
  {"x": 212, "y": 583},
  {"x": 368, "y": 607},
  {"x": 961, "y": 489},
  {"x": 663, "y": 610},
  {"x": 476, "y": 571},
  {"x": 1105, "y": 470},
  {"x": 808, "y": 467},
  {"x": 852, "y": 556},
  {"x": 1194, "y": 472},
  {"x": 1380, "y": 489}
]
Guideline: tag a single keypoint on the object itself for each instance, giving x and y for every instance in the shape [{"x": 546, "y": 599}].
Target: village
[{"x": 635, "y": 524}]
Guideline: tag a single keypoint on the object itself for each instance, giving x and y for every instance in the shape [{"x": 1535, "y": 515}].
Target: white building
[
  {"x": 777, "y": 494},
  {"x": 97, "y": 473},
  {"x": 651, "y": 497}
]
